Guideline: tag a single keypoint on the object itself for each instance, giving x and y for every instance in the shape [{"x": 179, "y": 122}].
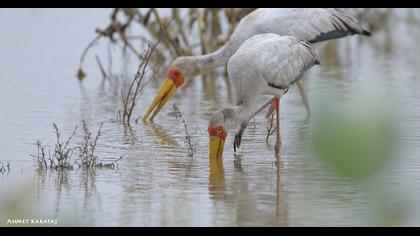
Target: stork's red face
[
  {"x": 167, "y": 89},
  {"x": 217, "y": 140}
]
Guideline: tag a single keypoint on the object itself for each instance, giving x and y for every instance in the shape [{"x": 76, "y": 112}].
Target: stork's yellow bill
[
  {"x": 217, "y": 141},
  {"x": 166, "y": 91}
]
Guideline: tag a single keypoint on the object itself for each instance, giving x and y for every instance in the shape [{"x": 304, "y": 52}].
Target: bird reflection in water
[
  {"x": 278, "y": 217},
  {"x": 155, "y": 130},
  {"x": 217, "y": 184}
]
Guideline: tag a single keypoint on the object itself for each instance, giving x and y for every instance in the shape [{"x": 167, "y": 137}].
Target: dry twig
[
  {"x": 130, "y": 98},
  {"x": 101, "y": 68}
]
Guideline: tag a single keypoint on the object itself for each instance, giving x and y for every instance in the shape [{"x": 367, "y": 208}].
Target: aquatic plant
[
  {"x": 39, "y": 158},
  {"x": 62, "y": 152},
  {"x": 87, "y": 146},
  {"x": 61, "y": 157},
  {"x": 190, "y": 146}
]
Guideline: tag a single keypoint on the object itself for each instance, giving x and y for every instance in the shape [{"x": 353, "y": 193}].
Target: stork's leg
[
  {"x": 238, "y": 135},
  {"x": 304, "y": 97},
  {"x": 271, "y": 109},
  {"x": 278, "y": 140}
]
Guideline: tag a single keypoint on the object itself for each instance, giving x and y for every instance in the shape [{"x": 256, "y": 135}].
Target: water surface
[{"x": 156, "y": 183}]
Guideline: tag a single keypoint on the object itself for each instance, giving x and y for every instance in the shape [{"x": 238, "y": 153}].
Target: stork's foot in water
[
  {"x": 238, "y": 136},
  {"x": 277, "y": 147}
]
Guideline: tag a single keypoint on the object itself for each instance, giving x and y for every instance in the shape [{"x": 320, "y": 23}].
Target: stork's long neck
[
  {"x": 241, "y": 114},
  {"x": 218, "y": 58}
]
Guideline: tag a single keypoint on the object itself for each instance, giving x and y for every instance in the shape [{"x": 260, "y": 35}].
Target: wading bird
[
  {"x": 264, "y": 64},
  {"x": 312, "y": 24}
]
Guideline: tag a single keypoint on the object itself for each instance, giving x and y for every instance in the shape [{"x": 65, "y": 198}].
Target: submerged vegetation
[{"x": 61, "y": 156}]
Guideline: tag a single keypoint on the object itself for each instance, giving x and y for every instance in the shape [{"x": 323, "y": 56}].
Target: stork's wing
[
  {"x": 267, "y": 61},
  {"x": 311, "y": 24},
  {"x": 326, "y": 24},
  {"x": 282, "y": 63},
  {"x": 302, "y": 57}
]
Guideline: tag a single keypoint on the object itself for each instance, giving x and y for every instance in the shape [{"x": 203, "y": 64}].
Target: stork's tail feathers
[
  {"x": 345, "y": 20},
  {"x": 311, "y": 49}
]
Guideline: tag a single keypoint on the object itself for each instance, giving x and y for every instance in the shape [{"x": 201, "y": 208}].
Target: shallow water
[{"x": 156, "y": 183}]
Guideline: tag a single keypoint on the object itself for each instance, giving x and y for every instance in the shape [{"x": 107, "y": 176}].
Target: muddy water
[{"x": 156, "y": 183}]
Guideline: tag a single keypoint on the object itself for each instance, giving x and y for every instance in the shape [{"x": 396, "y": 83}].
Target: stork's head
[
  {"x": 183, "y": 68},
  {"x": 219, "y": 124}
]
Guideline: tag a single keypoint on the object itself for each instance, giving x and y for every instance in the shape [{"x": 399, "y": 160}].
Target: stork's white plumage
[
  {"x": 264, "y": 64},
  {"x": 311, "y": 24},
  {"x": 268, "y": 64}
]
